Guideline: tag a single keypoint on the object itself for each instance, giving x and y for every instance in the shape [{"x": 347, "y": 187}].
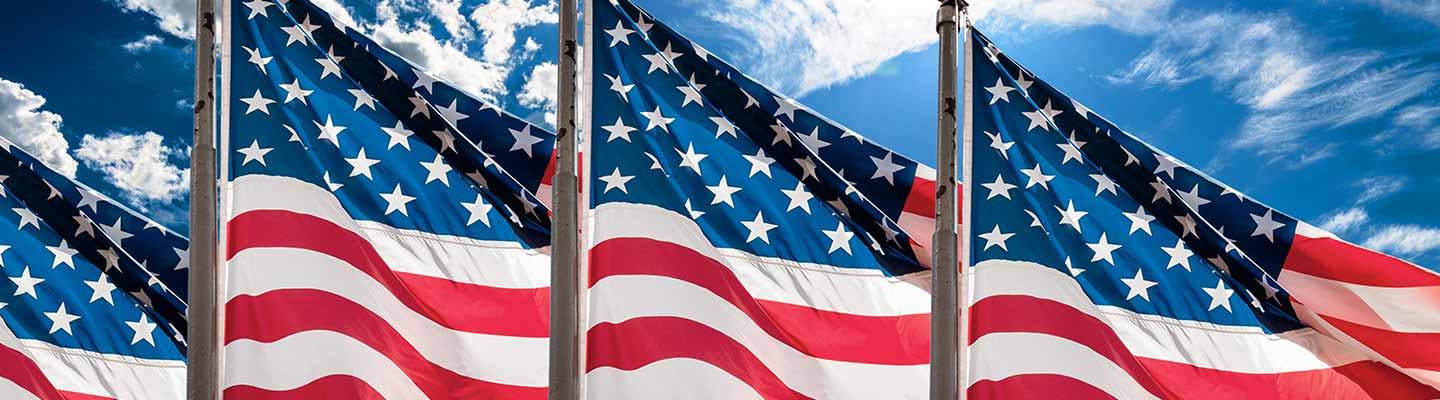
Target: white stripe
[
  {"x": 461, "y": 259},
  {"x": 106, "y": 375},
  {"x": 1228, "y": 348},
  {"x": 675, "y": 378},
  {"x": 294, "y": 361},
  {"x": 854, "y": 291},
  {"x": 1408, "y": 309},
  {"x": 620, "y": 298},
  {"x": 1313, "y": 320},
  {"x": 997, "y": 356},
  {"x": 11, "y": 390},
  {"x": 502, "y": 359}
]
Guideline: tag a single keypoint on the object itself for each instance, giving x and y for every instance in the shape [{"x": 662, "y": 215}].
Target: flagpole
[
  {"x": 565, "y": 260},
  {"x": 944, "y": 307},
  {"x": 203, "y": 373}
]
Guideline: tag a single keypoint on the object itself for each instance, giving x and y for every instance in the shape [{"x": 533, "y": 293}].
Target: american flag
[
  {"x": 92, "y": 306},
  {"x": 1103, "y": 267},
  {"x": 382, "y": 233},
  {"x": 742, "y": 245}
]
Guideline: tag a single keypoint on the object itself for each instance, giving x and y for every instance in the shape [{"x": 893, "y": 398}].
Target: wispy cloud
[
  {"x": 1428, "y": 10},
  {"x": 1344, "y": 221},
  {"x": 175, "y": 17},
  {"x": 138, "y": 164},
  {"x": 1292, "y": 85},
  {"x": 1406, "y": 240},
  {"x": 540, "y": 91},
  {"x": 23, "y": 122},
  {"x": 142, "y": 44}
]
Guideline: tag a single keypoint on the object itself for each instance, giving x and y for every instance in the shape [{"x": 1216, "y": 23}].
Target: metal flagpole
[
  {"x": 564, "y": 259},
  {"x": 944, "y": 306},
  {"x": 203, "y": 374}
]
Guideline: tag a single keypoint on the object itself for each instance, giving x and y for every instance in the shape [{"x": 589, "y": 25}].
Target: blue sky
[{"x": 1327, "y": 110}]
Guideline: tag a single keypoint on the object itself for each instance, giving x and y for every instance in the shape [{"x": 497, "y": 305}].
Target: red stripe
[
  {"x": 1340, "y": 261},
  {"x": 16, "y": 367},
  {"x": 1015, "y": 313},
  {"x": 890, "y": 340},
  {"x": 641, "y": 341},
  {"x": 329, "y": 387},
  {"x": 489, "y": 310},
  {"x": 281, "y": 313},
  {"x": 1407, "y": 349},
  {"x": 82, "y": 396},
  {"x": 1035, "y": 386},
  {"x": 921, "y": 200}
]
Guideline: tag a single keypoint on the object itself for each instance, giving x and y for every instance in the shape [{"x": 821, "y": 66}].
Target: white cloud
[
  {"x": 142, "y": 44},
  {"x": 337, "y": 11},
  {"x": 498, "y": 20},
  {"x": 1291, "y": 85},
  {"x": 448, "y": 12},
  {"x": 1344, "y": 221},
  {"x": 176, "y": 17},
  {"x": 1126, "y": 15},
  {"x": 531, "y": 47},
  {"x": 446, "y": 59},
  {"x": 540, "y": 90},
  {"x": 1408, "y": 240},
  {"x": 1376, "y": 188},
  {"x": 1428, "y": 10},
  {"x": 138, "y": 164},
  {"x": 35, "y": 130}
]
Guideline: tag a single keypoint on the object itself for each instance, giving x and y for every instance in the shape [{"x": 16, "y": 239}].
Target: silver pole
[
  {"x": 203, "y": 374},
  {"x": 945, "y": 306},
  {"x": 564, "y": 261}
]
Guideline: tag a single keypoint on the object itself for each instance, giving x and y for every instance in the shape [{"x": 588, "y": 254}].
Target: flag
[
  {"x": 93, "y": 304},
  {"x": 1103, "y": 267},
  {"x": 742, "y": 245},
  {"x": 381, "y": 233}
]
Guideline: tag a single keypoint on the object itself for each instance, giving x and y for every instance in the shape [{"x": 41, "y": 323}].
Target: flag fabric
[
  {"x": 740, "y": 244},
  {"x": 382, "y": 237},
  {"x": 92, "y": 306},
  {"x": 1103, "y": 267}
]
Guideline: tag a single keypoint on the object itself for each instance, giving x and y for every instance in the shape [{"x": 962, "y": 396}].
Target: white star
[
  {"x": 60, "y": 319},
  {"x": 112, "y": 259},
  {"x": 996, "y": 238},
  {"x": 1229, "y": 244},
  {"x": 1139, "y": 286},
  {"x": 693, "y": 213},
  {"x": 813, "y": 140},
  {"x": 389, "y": 73},
  {"x": 1161, "y": 192},
  {"x": 294, "y": 91},
  {"x": 1070, "y": 216},
  {"x": 619, "y": 35},
  {"x": 360, "y": 165},
  {"x": 1179, "y": 255},
  {"x": 786, "y": 107},
  {"x": 116, "y": 231},
  {"x": 397, "y": 201},
  {"x": 479, "y": 210},
  {"x": 1000, "y": 144},
  {"x": 524, "y": 141},
  {"x": 1103, "y": 250},
  {"x": 423, "y": 80},
  {"x": 759, "y": 163},
  {"x": 999, "y": 91},
  {"x": 758, "y": 228},
  {"x": 701, "y": 52},
  {"x": 294, "y": 137},
  {"x": 884, "y": 168},
  {"x": 399, "y": 136},
  {"x": 691, "y": 91},
  {"x": 839, "y": 238},
  {"x": 749, "y": 100},
  {"x": 782, "y": 134},
  {"x": 656, "y": 119},
  {"x": 63, "y": 254},
  {"x": 1188, "y": 225},
  {"x": 1129, "y": 157},
  {"x": 1040, "y": 118},
  {"x": 25, "y": 284},
  {"x": 1103, "y": 184},
  {"x": 807, "y": 168},
  {"x": 447, "y": 140},
  {"x": 3, "y": 249},
  {"x": 616, "y": 181},
  {"x": 723, "y": 127},
  {"x": 640, "y": 21},
  {"x": 418, "y": 106},
  {"x": 330, "y": 131},
  {"x": 1020, "y": 80},
  {"x": 184, "y": 259},
  {"x": 87, "y": 199},
  {"x": 1035, "y": 221},
  {"x": 1073, "y": 271},
  {"x": 620, "y": 87},
  {"x": 330, "y": 64},
  {"x": 1081, "y": 109},
  {"x": 1166, "y": 165},
  {"x": 101, "y": 289},
  {"x": 724, "y": 193},
  {"x": 258, "y": 7},
  {"x": 257, "y": 103},
  {"x": 256, "y": 59},
  {"x": 799, "y": 198},
  {"x": 1270, "y": 290},
  {"x": 1139, "y": 220},
  {"x": 26, "y": 218},
  {"x": 660, "y": 61},
  {"x": 332, "y": 185},
  {"x": 1193, "y": 197},
  {"x": 618, "y": 131},
  {"x": 1219, "y": 296},
  {"x": 437, "y": 170},
  {"x": 998, "y": 188},
  {"x": 655, "y": 163},
  {"x": 451, "y": 113},
  {"x": 1071, "y": 152},
  {"x": 144, "y": 330},
  {"x": 362, "y": 98},
  {"x": 1266, "y": 225},
  {"x": 689, "y": 158},
  {"x": 1036, "y": 176},
  {"x": 82, "y": 225}
]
